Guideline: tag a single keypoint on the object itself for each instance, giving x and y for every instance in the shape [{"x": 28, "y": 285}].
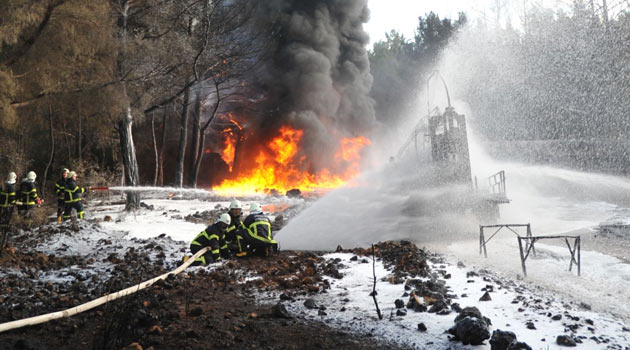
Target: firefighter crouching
[
  {"x": 7, "y": 201},
  {"x": 72, "y": 197},
  {"x": 258, "y": 236},
  {"x": 28, "y": 194},
  {"x": 60, "y": 191},
  {"x": 213, "y": 236},
  {"x": 234, "y": 234}
]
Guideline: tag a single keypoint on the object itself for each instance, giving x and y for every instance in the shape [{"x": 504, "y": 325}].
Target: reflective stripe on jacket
[
  {"x": 7, "y": 195},
  {"x": 259, "y": 227},
  {"x": 60, "y": 188},
  {"x": 28, "y": 192},
  {"x": 72, "y": 192},
  {"x": 214, "y": 238}
]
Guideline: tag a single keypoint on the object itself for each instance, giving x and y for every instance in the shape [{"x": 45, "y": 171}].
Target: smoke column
[{"x": 318, "y": 78}]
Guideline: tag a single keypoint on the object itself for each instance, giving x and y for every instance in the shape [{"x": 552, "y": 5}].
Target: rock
[
  {"x": 399, "y": 303},
  {"x": 322, "y": 313},
  {"x": 155, "y": 330},
  {"x": 311, "y": 304},
  {"x": 470, "y": 311},
  {"x": 401, "y": 312},
  {"x": 485, "y": 297},
  {"x": 530, "y": 325},
  {"x": 455, "y": 307},
  {"x": 294, "y": 193},
  {"x": 133, "y": 346},
  {"x": 107, "y": 218},
  {"x": 339, "y": 249},
  {"x": 470, "y": 330},
  {"x": 557, "y": 317},
  {"x": 501, "y": 339},
  {"x": 460, "y": 265},
  {"x": 285, "y": 297},
  {"x": 422, "y": 327},
  {"x": 517, "y": 345},
  {"x": 197, "y": 311},
  {"x": 438, "y": 306},
  {"x": 565, "y": 340},
  {"x": 280, "y": 311}
]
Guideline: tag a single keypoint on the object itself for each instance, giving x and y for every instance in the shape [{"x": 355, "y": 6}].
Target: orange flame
[
  {"x": 228, "y": 152},
  {"x": 279, "y": 166}
]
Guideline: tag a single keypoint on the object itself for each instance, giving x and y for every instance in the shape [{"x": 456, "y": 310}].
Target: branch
[
  {"x": 172, "y": 98},
  {"x": 373, "y": 294},
  {"x": 28, "y": 43}
]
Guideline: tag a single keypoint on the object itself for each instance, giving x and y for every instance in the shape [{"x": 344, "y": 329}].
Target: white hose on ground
[{"x": 96, "y": 302}]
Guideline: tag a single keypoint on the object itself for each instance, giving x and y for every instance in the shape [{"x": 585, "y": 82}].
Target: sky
[{"x": 402, "y": 15}]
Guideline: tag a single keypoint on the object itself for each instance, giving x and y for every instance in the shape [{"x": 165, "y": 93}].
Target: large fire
[{"x": 278, "y": 166}]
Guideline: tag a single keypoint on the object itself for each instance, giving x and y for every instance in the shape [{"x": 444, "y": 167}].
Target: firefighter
[
  {"x": 236, "y": 231},
  {"x": 213, "y": 236},
  {"x": 258, "y": 232},
  {"x": 28, "y": 194},
  {"x": 7, "y": 201},
  {"x": 73, "y": 197},
  {"x": 60, "y": 191}
]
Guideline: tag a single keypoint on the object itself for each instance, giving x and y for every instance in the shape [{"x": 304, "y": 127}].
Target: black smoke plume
[{"x": 317, "y": 77}]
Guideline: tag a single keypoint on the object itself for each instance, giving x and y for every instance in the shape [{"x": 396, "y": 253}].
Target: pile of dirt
[{"x": 202, "y": 308}]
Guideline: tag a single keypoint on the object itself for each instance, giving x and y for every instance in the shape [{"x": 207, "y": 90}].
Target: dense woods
[
  {"x": 129, "y": 89},
  {"x": 109, "y": 85},
  {"x": 549, "y": 86}
]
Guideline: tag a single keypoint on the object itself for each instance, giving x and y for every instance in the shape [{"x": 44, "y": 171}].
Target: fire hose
[{"x": 97, "y": 302}]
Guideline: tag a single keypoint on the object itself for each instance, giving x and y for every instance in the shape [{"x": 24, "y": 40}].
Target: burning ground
[{"x": 297, "y": 299}]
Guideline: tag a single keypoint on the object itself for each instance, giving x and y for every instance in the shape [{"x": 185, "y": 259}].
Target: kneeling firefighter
[
  {"x": 213, "y": 236},
  {"x": 258, "y": 232},
  {"x": 236, "y": 230}
]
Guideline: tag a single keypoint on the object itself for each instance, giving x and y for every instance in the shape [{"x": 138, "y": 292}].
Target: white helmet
[
  {"x": 225, "y": 218},
  {"x": 236, "y": 204},
  {"x": 255, "y": 208},
  {"x": 65, "y": 170},
  {"x": 12, "y": 177},
  {"x": 31, "y": 175},
  {"x": 72, "y": 174}
]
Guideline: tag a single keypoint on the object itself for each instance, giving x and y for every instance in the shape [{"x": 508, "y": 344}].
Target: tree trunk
[
  {"x": 155, "y": 151},
  {"x": 52, "y": 150},
  {"x": 80, "y": 139},
  {"x": 183, "y": 136},
  {"x": 196, "y": 140},
  {"x": 162, "y": 148},
  {"x": 202, "y": 136},
  {"x": 127, "y": 148},
  {"x": 130, "y": 163}
]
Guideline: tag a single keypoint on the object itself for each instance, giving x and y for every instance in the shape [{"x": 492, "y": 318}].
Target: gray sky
[{"x": 402, "y": 15}]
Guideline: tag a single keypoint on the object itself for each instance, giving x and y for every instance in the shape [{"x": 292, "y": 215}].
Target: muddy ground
[{"x": 200, "y": 309}]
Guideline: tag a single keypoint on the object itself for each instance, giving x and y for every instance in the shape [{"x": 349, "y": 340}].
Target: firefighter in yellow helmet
[{"x": 213, "y": 236}]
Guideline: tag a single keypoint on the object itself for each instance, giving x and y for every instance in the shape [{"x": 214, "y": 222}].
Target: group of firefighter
[
  {"x": 25, "y": 197},
  {"x": 230, "y": 237}
]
